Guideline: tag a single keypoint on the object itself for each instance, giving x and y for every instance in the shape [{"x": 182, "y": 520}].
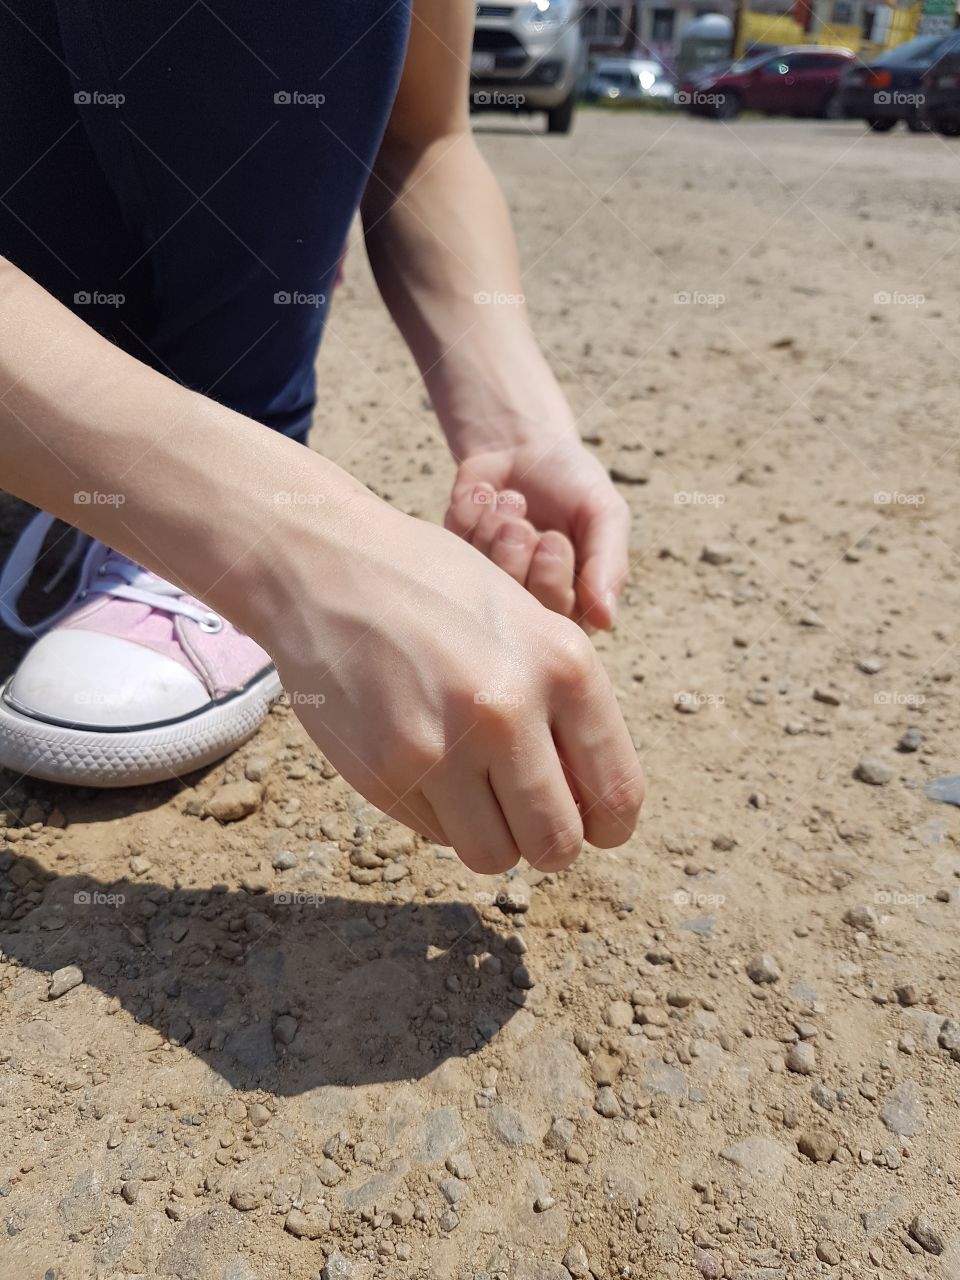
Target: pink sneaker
[{"x": 130, "y": 682}]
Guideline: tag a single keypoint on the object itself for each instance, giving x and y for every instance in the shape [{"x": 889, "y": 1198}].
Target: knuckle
[
  {"x": 622, "y": 797},
  {"x": 573, "y": 660},
  {"x": 557, "y": 846}
]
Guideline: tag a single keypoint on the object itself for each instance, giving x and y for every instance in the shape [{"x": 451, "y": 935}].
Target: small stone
[
  {"x": 509, "y": 1126},
  {"x": 926, "y": 1235},
  {"x": 234, "y": 801},
  {"x": 577, "y": 1154},
  {"x": 394, "y": 872},
  {"x": 828, "y": 1253},
  {"x": 575, "y": 1260},
  {"x": 285, "y": 1028},
  {"x": 246, "y": 1198},
  {"x": 907, "y": 994},
  {"x": 910, "y": 740},
  {"x": 874, "y": 771},
  {"x": 902, "y": 1111},
  {"x": 336, "y": 1267},
  {"x": 258, "y": 1114},
  {"x": 130, "y": 1190},
  {"x": 827, "y": 697},
  {"x": 606, "y": 1103},
  {"x": 453, "y": 1189},
  {"x": 870, "y": 666},
  {"x": 763, "y": 969},
  {"x": 605, "y": 1068},
  {"x": 517, "y": 944},
  {"x": 619, "y": 1013},
  {"x": 522, "y": 977},
  {"x": 949, "y": 1038},
  {"x": 514, "y": 900},
  {"x": 449, "y": 1221},
  {"x": 629, "y": 473},
  {"x": 817, "y": 1145},
  {"x": 560, "y": 1134},
  {"x": 543, "y": 1203},
  {"x": 461, "y": 1165},
  {"x": 285, "y": 860},
  {"x": 862, "y": 917},
  {"x": 329, "y": 1173},
  {"x": 801, "y": 1058},
  {"x": 716, "y": 553},
  {"x": 139, "y": 866},
  {"x": 310, "y": 1225},
  {"x": 907, "y": 1044},
  {"x": 64, "y": 980}
]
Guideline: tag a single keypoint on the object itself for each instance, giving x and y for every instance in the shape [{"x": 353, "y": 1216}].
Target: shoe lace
[{"x": 102, "y": 572}]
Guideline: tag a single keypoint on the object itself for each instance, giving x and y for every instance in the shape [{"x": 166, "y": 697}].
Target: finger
[
  {"x": 602, "y": 547},
  {"x": 468, "y": 505},
  {"x": 513, "y": 548},
  {"x": 600, "y": 760},
  {"x": 551, "y": 574},
  {"x": 489, "y": 527},
  {"x": 416, "y": 812},
  {"x": 469, "y": 813},
  {"x": 538, "y": 805}
]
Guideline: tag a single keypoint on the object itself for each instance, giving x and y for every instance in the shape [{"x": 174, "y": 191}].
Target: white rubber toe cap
[{"x": 76, "y": 677}]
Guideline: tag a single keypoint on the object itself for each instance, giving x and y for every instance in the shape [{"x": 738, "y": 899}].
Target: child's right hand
[{"x": 450, "y": 698}]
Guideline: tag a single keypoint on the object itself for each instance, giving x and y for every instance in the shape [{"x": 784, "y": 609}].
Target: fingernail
[
  {"x": 610, "y": 600},
  {"x": 514, "y": 534}
]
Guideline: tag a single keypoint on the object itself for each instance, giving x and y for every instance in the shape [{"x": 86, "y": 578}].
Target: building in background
[{"x": 643, "y": 26}]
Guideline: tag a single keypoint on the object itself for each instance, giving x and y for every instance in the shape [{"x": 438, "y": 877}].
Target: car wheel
[
  {"x": 560, "y": 118},
  {"x": 728, "y": 108},
  {"x": 916, "y": 125},
  {"x": 880, "y": 124},
  {"x": 833, "y": 107},
  {"x": 949, "y": 126}
]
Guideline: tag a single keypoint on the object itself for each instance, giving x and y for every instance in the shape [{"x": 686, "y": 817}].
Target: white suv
[{"x": 527, "y": 56}]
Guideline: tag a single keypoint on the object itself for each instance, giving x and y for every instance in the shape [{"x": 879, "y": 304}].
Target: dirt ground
[{"x": 723, "y": 1050}]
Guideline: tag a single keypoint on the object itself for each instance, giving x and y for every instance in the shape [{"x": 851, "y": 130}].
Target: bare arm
[{"x": 440, "y": 242}]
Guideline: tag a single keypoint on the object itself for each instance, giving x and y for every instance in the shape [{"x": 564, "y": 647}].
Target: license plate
[{"x": 481, "y": 62}]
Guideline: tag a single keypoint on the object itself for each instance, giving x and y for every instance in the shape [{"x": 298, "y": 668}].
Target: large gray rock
[{"x": 902, "y": 1111}]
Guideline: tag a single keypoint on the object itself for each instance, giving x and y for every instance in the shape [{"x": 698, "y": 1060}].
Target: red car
[{"x": 793, "y": 82}]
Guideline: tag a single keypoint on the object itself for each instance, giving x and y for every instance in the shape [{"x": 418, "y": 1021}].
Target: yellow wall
[{"x": 770, "y": 28}]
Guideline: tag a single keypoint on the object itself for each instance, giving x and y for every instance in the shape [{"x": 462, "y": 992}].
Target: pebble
[
  {"x": 461, "y": 1165},
  {"x": 64, "y": 980},
  {"x": 828, "y": 1253},
  {"x": 453, "y": 1189},
  {"x": 927, "y": 1237},
  {"x": 827, "y": 697},
  {"x": 576, "y": 1262},
  {"x": 801, "y": 1058},
  {"x": 543, "y": 1203},
  {"x": 285, "y": 860},
  {"x": 310, "y": 1225},
  {"x": 907, "y": 994},
  {"x": 874, "y": 771},
  {"x": 716, "y": 553},
  {"x": 870, "y": 666},
  {"x": 862, "y": 917},
  {"x": 138, "y": 865},
  {"x": 285, "y": 1028},
  {"x": 336, "y": 1267},
  {"x": 949, "y": 1038},
  {"x": 233, "y": 801},
  {"x": 606, "y": 1103},
  {"x": 910, "y": 740},
  {"x": 619, "y": 1013},
  {"x": 517, "y": 944},
  {"x": 902, "y": 1111},
  {"x": 560, "y": 1134},
  {"x": 329, "y": 1173},
  {"x": 395, "y": 871},
  {"x": 817, "y": 1145},
  {"x": 521, "y": 977},
  {"x": 763, "y": 969},
  {"x": 509, "y": 1126}
]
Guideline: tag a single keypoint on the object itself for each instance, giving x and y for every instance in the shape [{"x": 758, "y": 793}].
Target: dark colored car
[
  {"x": 792, "y": 82},
  {"x": 890, "y": 88},
  {"x": 941, "y": 95}
]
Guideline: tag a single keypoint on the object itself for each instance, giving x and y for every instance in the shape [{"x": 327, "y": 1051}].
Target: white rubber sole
[{"x": 94, "y": 758}]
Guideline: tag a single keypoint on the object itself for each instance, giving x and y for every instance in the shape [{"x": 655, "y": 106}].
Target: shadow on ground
[{"x": 362, "y": 986}]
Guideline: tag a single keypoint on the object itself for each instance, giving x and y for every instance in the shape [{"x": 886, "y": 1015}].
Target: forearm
[
  {"x": 443, "y": 253},
  {"x": 201, "y": 495}
]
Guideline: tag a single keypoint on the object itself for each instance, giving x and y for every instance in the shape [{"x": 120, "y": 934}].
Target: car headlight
[
  {"x": 647, "y": 80},
  {"x": 549, "y": 13}
]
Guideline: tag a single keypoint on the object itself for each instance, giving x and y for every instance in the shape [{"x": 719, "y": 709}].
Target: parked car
[
  {"x": 625, "y": 80},
  {"x": 527, "y": 56},
  {"x": 941, "y": 95},
  {"x": 792, "y": 82},
  {"x": 889, "y": 88}
]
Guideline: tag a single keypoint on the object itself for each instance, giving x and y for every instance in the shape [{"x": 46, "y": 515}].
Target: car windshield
[
  {"x": 748, "y": 64},
  {"x": 912, "y": 51}
]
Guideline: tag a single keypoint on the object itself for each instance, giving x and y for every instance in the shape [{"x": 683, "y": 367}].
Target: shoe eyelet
[{"x": 211, "y": 624}]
